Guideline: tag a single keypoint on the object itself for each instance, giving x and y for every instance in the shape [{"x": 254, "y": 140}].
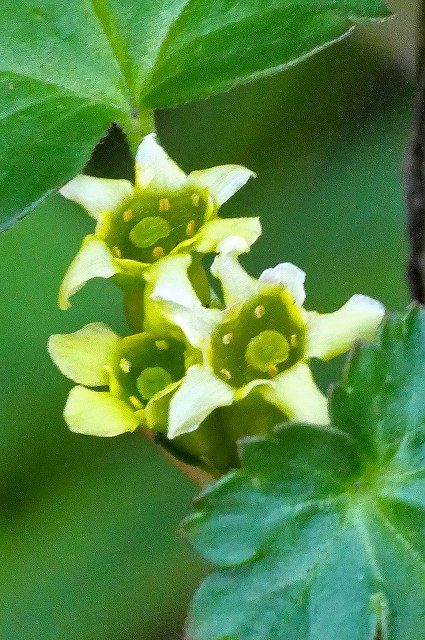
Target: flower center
[
  {"x": 144, "y": 366},
  {"x": 266, "y": 350},
  {"x": 258, "y": 339},
  {"x": 148, "y": 231},
  {"x": 152, "y": 380},
  {"x": 151, "y": 226}
]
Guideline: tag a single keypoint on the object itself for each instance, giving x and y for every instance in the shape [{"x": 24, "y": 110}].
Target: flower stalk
[{"x": 139, "y": 124}]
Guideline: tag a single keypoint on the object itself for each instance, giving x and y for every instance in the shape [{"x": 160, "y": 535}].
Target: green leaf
[
  {"x": 214, "y": 45},
  {"x": 321, "y": 534},
  {"x": 70, "y": 69}
]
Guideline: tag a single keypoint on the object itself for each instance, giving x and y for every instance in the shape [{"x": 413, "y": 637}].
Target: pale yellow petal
[
  {"x": 84, "y": 354},
  {"x": 173, "y": 306},
  {"x": 155, "y": 171},
  {"x": 296, "y": 394},
  {"x": 236, "y": 283},
  {"x": 222, "y": 181},
  {"x": 169, "y": 281},
  {"x": 98, "y": 413},
  {"x": 94, "y": 260},
  {"x": 288, "y": 276},
  {"x": 216, "y": 231},
  {"x": 97, "y": 194},
  {"x": 199, "y": 394},
  {"x": 331, "y": 334},
  {"x": 156, "y": 410}
]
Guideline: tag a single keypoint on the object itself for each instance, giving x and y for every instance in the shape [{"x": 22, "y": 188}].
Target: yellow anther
[
  {"x": 125, "y": 365},
  {"x": 226, "y": 374},
  {"x": 227, "y": 338},
  {"x": 195, "y": 199},
  {"x": 273, "y": 371},
  {"x": 158, "y": 253},
  {"x": 190, "y": 228},
  {"x": 116, "y": 251},
  {"x": 127, "y": 215},
  {"x": 162, "y": 345},
  {"x": 259, "y": 311},
  {"x": 164, "y": 204},
  {"x": 294, "y": 340},
  {"x": 135, "y": 402}
]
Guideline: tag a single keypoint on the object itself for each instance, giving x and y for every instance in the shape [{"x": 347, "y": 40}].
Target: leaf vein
[
  {"x": 368, "y": 546},
  {"x": 221, "y": 54},
  {"x": 22, "y": 109},
  {"x": 118, "y": 48},
  {"x": 64, "y": 90},
  {"x": 164, "y": 42},
  {"x": 413, "y": 552}
]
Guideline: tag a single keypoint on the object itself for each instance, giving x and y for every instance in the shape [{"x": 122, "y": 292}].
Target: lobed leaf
[
  {"x": 320, "y": 534},
  {"x": 70, "y": 69}
]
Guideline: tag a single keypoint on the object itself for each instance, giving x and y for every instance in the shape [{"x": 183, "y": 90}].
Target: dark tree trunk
[{"x": 415, "y": 178}]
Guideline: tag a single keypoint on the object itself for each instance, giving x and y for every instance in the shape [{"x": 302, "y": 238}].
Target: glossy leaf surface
[{"x": 70, "y": 69}]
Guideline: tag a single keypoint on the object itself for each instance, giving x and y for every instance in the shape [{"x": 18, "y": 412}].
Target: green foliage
[
  {"x": 215, "y": 44},
  {"x": 320, "y": 535},
  {"x": 70, "y": 69},
  {"x": 91, "y": 554}
]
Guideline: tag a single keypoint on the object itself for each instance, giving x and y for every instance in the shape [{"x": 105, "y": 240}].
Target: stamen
[
  {"x": 294, "y": 340},
  {"x": 227, "y": 339},
  {"x": 125, "y": 365},
  {"x": 190, "y": 229},
  {"x": 259, "y": 311},
  {"x": 158, "y": 252},
  {"x": 164, "y": 204},
  {"x": 226, "y": 374},
  {"x": 273, "y": 371},
  {"x": 135, "y": 402},
  {"x": 127, "y": 215},
  {"x": 116, "y": 251},
  {"x": 195, "y": 199},
  {"x": 162, "y": 345}
]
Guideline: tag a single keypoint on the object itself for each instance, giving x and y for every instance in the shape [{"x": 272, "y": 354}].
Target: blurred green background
[{"x": 88, "y": 541}]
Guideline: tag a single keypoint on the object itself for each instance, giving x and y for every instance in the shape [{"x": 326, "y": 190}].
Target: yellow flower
[
  {"x": 165, "y": 212},
  {"x": 261, "y": 342},
  {"x": 117, "y": 378}
]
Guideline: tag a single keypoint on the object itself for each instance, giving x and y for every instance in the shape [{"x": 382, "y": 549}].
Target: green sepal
[{"x": 213, "y": 445}]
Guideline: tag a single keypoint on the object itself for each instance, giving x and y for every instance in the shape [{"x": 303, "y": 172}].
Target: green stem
[{"x": 139, "y": 125}]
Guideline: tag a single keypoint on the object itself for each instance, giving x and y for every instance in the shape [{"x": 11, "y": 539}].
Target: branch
[{"x": 415, "y": 178}]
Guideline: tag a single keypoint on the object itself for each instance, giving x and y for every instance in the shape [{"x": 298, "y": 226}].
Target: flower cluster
[{"x": 201, "y": 370}]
